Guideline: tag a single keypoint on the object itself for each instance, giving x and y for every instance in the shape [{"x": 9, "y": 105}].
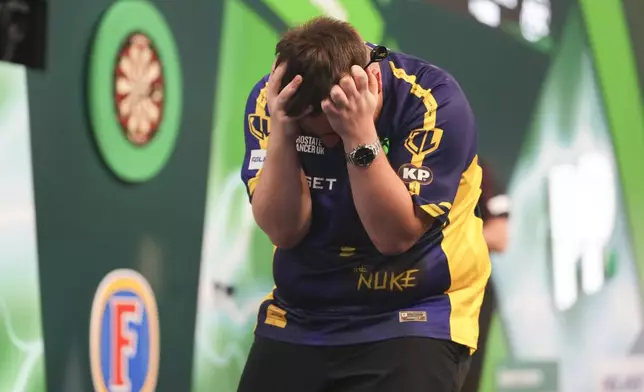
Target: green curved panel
[
  {"x": 129, "y": 161},
  {"x": 616, "y": 69}
]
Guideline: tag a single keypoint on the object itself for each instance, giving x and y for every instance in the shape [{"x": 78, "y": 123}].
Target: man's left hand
[{"x": 352, "y": 104}]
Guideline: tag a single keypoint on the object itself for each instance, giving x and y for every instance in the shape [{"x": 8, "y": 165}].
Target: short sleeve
[
  {"x": 437, "y": 147},
  {"x": 256, "y": 131}
]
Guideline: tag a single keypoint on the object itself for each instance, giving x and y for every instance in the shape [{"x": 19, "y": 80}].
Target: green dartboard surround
[{"x": 128, "y": 161}]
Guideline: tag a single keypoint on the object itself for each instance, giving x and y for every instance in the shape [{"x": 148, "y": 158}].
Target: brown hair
[{"x": 322, "y": 51}]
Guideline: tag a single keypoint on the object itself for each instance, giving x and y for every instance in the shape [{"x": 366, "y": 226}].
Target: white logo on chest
[
  {"x": 310, "y": 145},
  {"x": 321, "y": 183}
]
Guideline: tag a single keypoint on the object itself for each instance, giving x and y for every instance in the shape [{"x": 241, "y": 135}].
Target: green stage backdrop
[{"x": 129, "y": 254}]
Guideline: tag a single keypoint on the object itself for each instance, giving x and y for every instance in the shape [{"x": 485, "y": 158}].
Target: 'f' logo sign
[
  {"x": 124, "y": 334},
  {"x": 126, "y": 311}
]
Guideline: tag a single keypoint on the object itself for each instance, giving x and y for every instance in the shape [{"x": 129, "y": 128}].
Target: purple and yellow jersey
[{"x": 334, "y": 287}]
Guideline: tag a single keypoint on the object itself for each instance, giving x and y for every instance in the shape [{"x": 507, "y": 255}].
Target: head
[{"x": 322, "y": 51}]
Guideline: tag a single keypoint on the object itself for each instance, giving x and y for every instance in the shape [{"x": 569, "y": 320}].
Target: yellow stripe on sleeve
[
  {"x": 431, "y": 136},
  {"x": 433, "y": 210}
]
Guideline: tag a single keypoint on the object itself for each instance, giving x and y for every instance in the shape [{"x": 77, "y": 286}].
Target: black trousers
[
  {"x": 485, "y": 318},
  {"x": 410, "y": 364}
]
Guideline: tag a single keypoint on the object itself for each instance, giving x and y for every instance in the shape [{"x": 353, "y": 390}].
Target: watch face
[{"x": 363, "y": 156}]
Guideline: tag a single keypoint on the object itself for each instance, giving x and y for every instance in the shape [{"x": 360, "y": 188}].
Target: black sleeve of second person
[{"x": 493, "y": 202}]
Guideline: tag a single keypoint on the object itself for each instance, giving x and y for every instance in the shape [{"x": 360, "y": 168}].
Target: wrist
[
  {"x": 284, "y": 133},
  {"x": 365, "y": 135}
]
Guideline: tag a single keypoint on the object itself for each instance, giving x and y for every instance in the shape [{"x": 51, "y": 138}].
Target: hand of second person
[{"x": 352, "y": 104}]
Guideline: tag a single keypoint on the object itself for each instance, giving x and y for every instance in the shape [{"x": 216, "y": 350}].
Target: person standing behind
[{"x": 495, "y": 209}]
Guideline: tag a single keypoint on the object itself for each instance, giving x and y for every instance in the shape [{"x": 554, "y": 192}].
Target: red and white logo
[
  {"x": 124, "y": 334},
  {"x": 126, "y": 312}
]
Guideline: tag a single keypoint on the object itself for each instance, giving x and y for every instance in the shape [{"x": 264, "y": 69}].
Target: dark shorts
[{"x": 410, "y": 364}]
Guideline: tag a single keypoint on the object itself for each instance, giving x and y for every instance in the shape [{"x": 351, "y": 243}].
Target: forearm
[
  {"x": 281, "y": 199},
  {"x": 495, "y": 231},
  {"x": 385, "y": 207}
]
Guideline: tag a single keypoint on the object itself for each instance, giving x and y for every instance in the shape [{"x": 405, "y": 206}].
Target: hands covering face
[
  {"x": 352, "y": 103},
  {"x": 350, "y": 107}
]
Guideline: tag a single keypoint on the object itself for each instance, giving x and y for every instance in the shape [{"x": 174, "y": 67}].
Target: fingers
[
  {"x": 275, "y": 80},
  {"x": 338, "y": 97},
  {"x": 360, "y": 78},
  {"x": 349, "y": 86},
  {"x": 328, "y": 107},
  {"x": 289, "y": 91}
]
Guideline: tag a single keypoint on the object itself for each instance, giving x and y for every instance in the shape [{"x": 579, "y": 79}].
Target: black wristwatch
[{"x": 363, "y": 155}]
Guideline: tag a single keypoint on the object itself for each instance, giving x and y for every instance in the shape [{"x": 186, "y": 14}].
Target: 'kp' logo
[
  {"x": 124, "y": 334},
  {"x": 410, "y": 173}
]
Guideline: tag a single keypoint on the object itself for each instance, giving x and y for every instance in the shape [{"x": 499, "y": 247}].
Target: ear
[
  {"x": 374, "y": 69},
  {"x": 378, "y": 76}
]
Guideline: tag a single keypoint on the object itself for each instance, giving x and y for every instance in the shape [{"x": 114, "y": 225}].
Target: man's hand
[
  {"x": 382, "y": 201},
  {"x": 351, "y": 106},
  {"x": 276, "y": 101}
]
